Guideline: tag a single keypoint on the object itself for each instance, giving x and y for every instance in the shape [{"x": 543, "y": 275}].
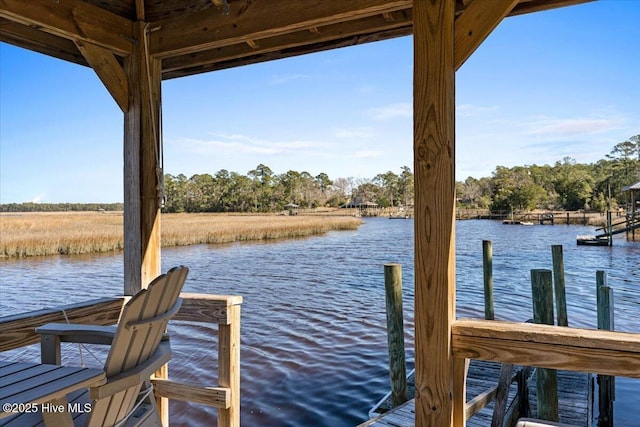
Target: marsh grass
[{"x": 37, "y": 234}]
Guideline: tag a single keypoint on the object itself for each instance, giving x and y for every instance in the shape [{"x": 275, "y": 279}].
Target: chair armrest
[
  {"x": 135, "y": 375},
  {"x": 52, "y": 334},
  {"x": 86, "y": 334}
]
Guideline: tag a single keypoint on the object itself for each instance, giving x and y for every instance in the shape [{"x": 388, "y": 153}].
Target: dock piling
[
  {"x": 395, "y": 333},
  {"x": 559, "y": 285},
  {"x": 487, "y": 269},
  {"x": 547, "y": 379},
  {"x": 606, "y": 383}
]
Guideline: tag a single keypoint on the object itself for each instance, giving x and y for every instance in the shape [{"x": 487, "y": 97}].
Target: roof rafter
[
  {"x": 209, "y": 29},
  {"x": 327, "y": 33},
  {"x": 39, "y": 41},
  {"x": 73, "y": 19}
]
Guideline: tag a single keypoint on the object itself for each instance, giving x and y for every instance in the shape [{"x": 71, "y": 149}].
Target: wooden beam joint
[
  {"x": 475, "y": 24},
  {"x": 109, "y": 70}
]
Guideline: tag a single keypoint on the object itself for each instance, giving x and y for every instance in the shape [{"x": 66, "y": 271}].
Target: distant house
[
  {"x": 292, "y": 208},
  {"x": 633, "y": 198}
]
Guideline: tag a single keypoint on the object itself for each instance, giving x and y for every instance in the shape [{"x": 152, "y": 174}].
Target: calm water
[{"x": 313, "y": 319}]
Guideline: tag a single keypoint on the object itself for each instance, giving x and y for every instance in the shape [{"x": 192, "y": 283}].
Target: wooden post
[
  {"x": 609, "y": 227},
  {"x": 229, "y": 366},
  {"x": 547, "y": 379},
  {"x": 559, "y": 285},
  {"x": 487, "y": 270},
  {"x": 395, "y": 333},
  {"x": 434, "y": 175},
  {"x": 606, "y": 383},
  {"x": 142, "y": 173},
  {"x": 142, "y": 177}
]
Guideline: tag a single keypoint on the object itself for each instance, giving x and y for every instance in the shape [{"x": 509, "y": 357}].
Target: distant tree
[
  {"x": 175, "y": 193},
  {"x": 262, "y": 178},
  {"x": 574, "y": 184},
  {"x": 624, "y": 164},
  {"x": 514, "y": 189},
  {"x": 405, "y": 186},
  {"x": 388, "y": 194}
]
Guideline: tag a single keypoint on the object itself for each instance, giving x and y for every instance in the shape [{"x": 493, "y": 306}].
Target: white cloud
[
  {"x": 356, "y": 133},
  {"x": 244, "y": 144},
  {"x": 469, "y": 110},
  {"x": 571, "y": 128},
  {"x": 367, "y": 154},
  {"x": 392, "y": 111},
  {"x": 280, "y": 79},
  {"x": 509, "y": 141}
]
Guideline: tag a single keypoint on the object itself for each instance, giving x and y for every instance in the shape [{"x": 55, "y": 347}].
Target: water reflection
[{"x": 313, "y": 321}]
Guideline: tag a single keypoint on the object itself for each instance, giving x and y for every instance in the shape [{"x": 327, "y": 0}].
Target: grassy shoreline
[{"x": 73, "y": 233}]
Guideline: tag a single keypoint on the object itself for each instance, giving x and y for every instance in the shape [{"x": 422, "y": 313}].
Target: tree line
[
  {"x": 261, "y": 190},
  {"x": 60, "y": 207},
  {"x": 566, "y": 185}
]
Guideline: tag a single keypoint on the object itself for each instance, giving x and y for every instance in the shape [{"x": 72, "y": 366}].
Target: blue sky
[{"x": 542, "y": 86}]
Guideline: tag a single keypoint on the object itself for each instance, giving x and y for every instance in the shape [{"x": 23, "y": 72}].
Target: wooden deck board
[{"x": 574, "y": 395}]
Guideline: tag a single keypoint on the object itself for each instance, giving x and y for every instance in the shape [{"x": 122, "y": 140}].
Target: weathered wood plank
[
  {"x": 38, "y": 41},
  {"x": 434, "y": 176},
  {"x": 207, "y": 308},
  {"x": 73, "y": 19},
  {"x": 218, "y": 397},
  {"x": 288, "y": 41},
  {"x": 475, "y": 24},
  {"x": 210, "y": 29},
  {"x": 19, "y": 330},
  {"x": 548, "y": 346}
]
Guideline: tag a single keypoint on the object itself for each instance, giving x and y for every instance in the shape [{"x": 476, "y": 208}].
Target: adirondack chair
[{"x": 139, "y": 347}]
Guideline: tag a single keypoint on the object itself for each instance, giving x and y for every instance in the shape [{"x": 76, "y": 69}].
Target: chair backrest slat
[
  {"x": 132, "y": 347},
  {"x": 150, "y": 310}
]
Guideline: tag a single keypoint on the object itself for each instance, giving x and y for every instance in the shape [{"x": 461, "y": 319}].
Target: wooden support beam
[
  {"x": 142, "y": 177},
  {"x": 210, "y": 29},
  {"x": 546, "y": 346},
  {"x": 142, "y": 173},
  {"x": 109, "y": 70},
  {"x": 273, "y": 44},
  {"x": 38, "y": 41},
  {"x": 476, "y": 23},
  {"x": 540, "y": 5},
  {"x": 434, "y": 174},
  {"x": 74, "y": 20}
]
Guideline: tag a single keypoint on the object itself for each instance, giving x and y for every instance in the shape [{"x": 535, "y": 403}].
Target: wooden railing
[
  {"x": 543, "y": 346},
  {"x": 19, "y": 330}
]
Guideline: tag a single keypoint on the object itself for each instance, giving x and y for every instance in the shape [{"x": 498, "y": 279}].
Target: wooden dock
[{"x": 575, "y": 398}]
